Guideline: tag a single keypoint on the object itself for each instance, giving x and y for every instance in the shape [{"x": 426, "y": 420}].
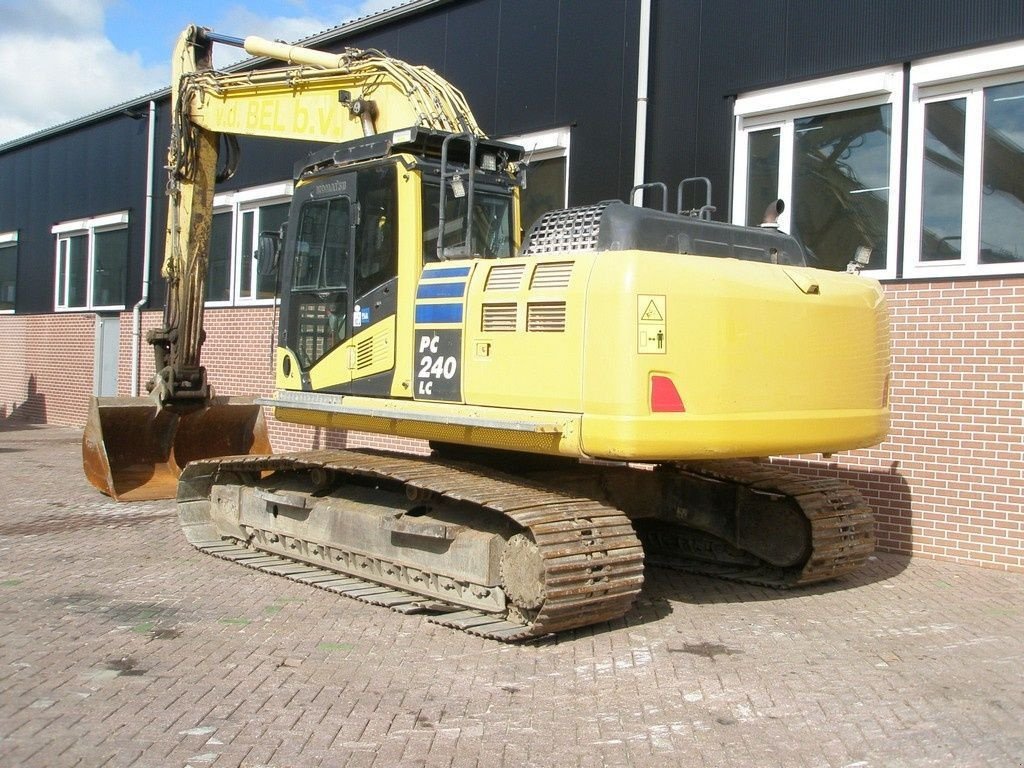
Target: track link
[
  {"x": 840, "y": 521},
  {"x": 592, "y": 560}
]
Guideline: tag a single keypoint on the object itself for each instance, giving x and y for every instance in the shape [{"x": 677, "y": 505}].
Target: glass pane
[
  {"x": 218, "y": 280},
  {"x": 376, "y": 251},
  {"x": 322, "y": 246},
  {"x": 62, "y": 272},
  {"x": 491, "y": 224},
  {"x": 545, "y": 189},
  {"x": 110, "y": 261},
  {"x": 1002, "y": 191},
  {"x": 320, "y": 275},
  {"x": 841, "y": 185},
  {"x": 271, "y": 217},
  {"x": 942, "y": 182},
  {"x": 78, "y": 270},
  {"x": 245, "y": 259},
  {"x": 762, "y": 173},
  {"x": 8, "y": 275}
]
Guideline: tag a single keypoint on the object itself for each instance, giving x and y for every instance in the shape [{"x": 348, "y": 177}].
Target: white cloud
[{"x": 57, "y": 65}]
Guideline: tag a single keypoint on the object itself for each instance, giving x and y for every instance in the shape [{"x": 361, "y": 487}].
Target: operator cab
[{"x": 341, "y": 264}]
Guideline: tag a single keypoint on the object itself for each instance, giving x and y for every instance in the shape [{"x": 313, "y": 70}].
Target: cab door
[
  {"x": 342, "y": 301},
  {"x": 317, "y": 306}
]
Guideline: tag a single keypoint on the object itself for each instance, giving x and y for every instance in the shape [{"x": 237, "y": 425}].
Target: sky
[{"x": 64, "y": 59}]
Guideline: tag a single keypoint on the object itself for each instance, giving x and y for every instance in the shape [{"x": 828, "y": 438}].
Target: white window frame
[
  {"x": 88, "y": 227},
  {"x": 546, "y": 145},
  {"x": 780, "y": 107},
  {"x": 7, "y": 240},
  {"x": 236, "y": 203},
  {"x": 963, "y": 75}
]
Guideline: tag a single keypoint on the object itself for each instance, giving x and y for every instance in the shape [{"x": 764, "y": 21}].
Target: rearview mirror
[{"x": 268, "y": 252}]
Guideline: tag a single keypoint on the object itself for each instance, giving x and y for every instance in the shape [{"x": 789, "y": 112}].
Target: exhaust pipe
[{"x": 770, "y": 220}]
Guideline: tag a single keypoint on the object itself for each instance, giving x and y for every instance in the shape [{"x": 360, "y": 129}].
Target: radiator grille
[
  {"x": 555, "y": 274},
  {"x": 570, "y": 230},
  {"x": 499, "y": 317},
  {"x": 545, "y": 317},
  {"x": 505, "y": 277}
]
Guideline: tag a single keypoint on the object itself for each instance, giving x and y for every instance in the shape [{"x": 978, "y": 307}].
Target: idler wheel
[{"x": 522, "y": 572}]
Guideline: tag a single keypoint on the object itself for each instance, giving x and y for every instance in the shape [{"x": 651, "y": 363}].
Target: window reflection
[
  {"x": 942, "y": 182},
  {"x": 8, "y": 275},
  {"x": 841, "y": 184},
  {"x": 762, "y": 173},
  {"x": 110, "y": 260},
  {"x": 1002, "y": 191}
]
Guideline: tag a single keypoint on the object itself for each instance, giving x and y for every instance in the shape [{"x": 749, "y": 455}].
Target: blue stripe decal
[
  {"x": 438, "y": 313},
  {"x": 429, "y": 271},
  {"x": 440, "y": 290}
]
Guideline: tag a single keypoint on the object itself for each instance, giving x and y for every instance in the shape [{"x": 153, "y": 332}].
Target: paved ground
[{"x": 120, "y": 645}]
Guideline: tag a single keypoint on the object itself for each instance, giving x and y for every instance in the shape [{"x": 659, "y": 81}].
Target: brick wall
[
  {"x": 47, "y": 366},
  {"x": 949, "y": 481}
]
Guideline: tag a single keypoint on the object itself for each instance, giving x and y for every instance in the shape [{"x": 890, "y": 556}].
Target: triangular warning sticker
[{"x": 651, "y": 314}]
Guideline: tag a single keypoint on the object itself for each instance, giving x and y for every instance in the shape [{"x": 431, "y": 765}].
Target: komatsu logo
[{"x": 330, "y": 188}]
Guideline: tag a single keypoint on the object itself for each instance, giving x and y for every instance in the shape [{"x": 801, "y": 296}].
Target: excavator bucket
[{"x": 133, "y": 450}]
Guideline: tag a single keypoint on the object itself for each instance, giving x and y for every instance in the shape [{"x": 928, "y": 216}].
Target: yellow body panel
[
  {"x": 766, "y": 360},
  {"x": 502, "y": 358}
]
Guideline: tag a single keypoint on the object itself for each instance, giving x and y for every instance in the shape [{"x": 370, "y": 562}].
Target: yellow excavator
[{"x": 592, "y": 392}]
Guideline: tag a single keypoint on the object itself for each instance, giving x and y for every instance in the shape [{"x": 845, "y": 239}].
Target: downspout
[
  {"x": 147, "y": 251},
  {"x": 643, "y": 67}
]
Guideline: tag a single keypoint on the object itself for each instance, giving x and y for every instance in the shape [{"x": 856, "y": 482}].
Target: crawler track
[
  {"x": 592, "y": 561},
  {"x": 841, "y": 528}
]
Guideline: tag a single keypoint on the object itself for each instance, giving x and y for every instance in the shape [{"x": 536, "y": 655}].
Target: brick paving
[{"x": 122, "y": 646}]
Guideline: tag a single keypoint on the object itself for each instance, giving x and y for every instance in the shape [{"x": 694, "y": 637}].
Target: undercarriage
[{"x": 531, "y": 549}]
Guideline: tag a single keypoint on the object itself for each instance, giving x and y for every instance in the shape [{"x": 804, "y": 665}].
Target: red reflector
[{"x": 664, "y": 397}]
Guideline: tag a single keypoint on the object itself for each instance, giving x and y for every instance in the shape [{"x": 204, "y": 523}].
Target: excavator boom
[{"x": 135, "y": 448}]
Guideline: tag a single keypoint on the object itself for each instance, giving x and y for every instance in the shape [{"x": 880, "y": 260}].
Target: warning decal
[
  {"x": 652, "y": 314},
  {"x": 651, "y": 336}
]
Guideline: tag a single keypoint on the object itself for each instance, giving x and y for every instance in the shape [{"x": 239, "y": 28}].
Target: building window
[
  {"x": 8, "y": 270},
  {"x": 965, "y": 167},
  {"x": 547, "y": 173},
  {"x": 827, "y": 149},
  {"x": 92, "y": 263},
  {"x": 239, "y": 218}
]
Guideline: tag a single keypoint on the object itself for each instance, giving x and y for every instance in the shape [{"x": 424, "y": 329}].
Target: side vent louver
[
  {"x": 505, "y": 277},
  {"x": 547, "y": 316},
  {"x": 364, "y": 354},
  {"x": 554, "y": 274},
  {"x": 499, "y": 317}
]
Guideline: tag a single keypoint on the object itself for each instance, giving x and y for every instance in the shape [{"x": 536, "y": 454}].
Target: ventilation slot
[
  {"x": 553, "y": 274},
  {"x": 499, "y": 317},
  {"x": 545, "y": 316},
  {"x": 506, "y": 277},
  {"x": 364, "y": 354}
]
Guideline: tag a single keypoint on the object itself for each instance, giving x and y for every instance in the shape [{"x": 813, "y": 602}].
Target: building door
[{"x": 108, "y": 334}]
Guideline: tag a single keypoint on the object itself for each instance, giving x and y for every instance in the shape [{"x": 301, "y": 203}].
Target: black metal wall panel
[
  {"x": 97, "y": 169},
  {"x": 471, "y": 56},
  {"x": 527, "y": 65},
  {"x": 596, "y": 94}
]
